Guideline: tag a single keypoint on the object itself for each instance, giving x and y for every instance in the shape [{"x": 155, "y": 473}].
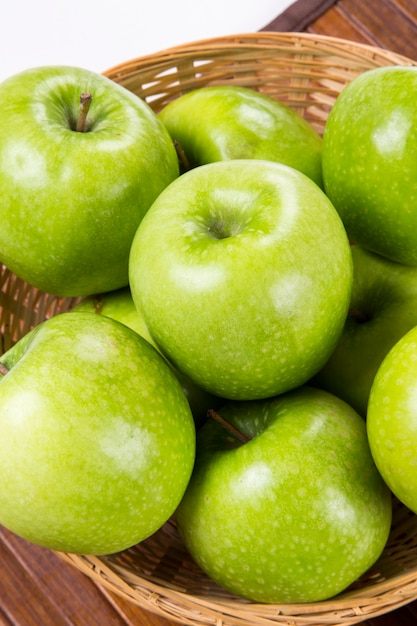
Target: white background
[{"x": 98, "y": 34}]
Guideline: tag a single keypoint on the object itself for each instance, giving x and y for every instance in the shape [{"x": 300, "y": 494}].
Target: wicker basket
[{"x": 306, "y": 72}]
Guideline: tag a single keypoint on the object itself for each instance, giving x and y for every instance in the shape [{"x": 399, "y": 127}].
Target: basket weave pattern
[{"x": 307, "y": 73}]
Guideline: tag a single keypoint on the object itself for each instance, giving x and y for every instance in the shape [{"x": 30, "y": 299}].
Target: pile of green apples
[{"x": 243, "y": 356}]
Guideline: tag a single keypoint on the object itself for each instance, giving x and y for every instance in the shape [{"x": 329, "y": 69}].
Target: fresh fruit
[
  {"x": 242, "y": 271},
  {"x": 119, "y": 305},
  {"x": 296, "y": 512},
  {"x": 370, "y": 161},
  {"x": 97, "y": 438},
  {"x": 383, "y": 308},
  {"x": 74, "y": 190},
  {"x": 392, "y": 419},
  {"x": 225, "y": 122}
]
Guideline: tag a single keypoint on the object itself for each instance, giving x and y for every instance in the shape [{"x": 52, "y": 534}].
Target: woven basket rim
[
  {"x": 352, "y": 606},
  {"x": 349, "y": 608},
  {"x": 261, "y": 40}
]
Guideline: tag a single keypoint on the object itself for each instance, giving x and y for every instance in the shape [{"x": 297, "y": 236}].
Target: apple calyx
[
  {"x": 235, "y": 432},
  {"x": 216, "y": 233},
  {"x": 358, "y": 315},
  {"x": 222, "y": 229},
  {"x": 85, "y": 103},
  {"x": 3, "y": 370}
]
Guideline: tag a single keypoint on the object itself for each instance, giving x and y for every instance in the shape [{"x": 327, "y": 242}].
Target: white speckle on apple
[
  {"x": 391, "y": 136},
  {"x": 29, "y": 165},
  {"x": 17, "y": 406}
]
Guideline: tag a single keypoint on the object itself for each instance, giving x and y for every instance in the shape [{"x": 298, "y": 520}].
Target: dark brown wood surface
[
  {"x": 390, "y": 24},
  {"x": 36, "y": 587}
]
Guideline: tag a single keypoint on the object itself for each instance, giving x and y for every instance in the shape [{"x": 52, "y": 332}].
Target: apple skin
[
  {"x": 383, "y": 308},
  {"x": 370, "y": 161},
  {"x": 218, "y": 123},
  {"x": 119, "y": 305},
  {"x": 298, "y": 512},
  {"x": 71, "y": 201},
  {"x": 392, "y": 419},
  {"x": 242, "y": 271},
  {"x": 98, "y": 440}
]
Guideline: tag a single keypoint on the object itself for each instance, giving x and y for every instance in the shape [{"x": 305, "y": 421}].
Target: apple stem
[
  {"x": 212, "y": 414},
  {"x": 3, "y": 370},
  {"x": 182, "y": 156},
  {"x": 85, "y": 102}
]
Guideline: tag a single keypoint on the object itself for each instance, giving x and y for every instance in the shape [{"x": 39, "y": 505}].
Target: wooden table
[{"x": 36, "y": 587}]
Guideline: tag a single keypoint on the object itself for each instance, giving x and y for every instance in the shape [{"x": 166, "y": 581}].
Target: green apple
[
  {"x": 370, "y": 161},
  {"x": 119, "y": 305},
  {"x": 97, "y": 438},
  {"x": 392, "y": 419},
  {"x": 224, "y": 122},
  {"x": 295, "y": 513},
  {"x": 383, "y": 308},
  {"x": 242, "y": 271},
  {"x": 76, "y": 183}
]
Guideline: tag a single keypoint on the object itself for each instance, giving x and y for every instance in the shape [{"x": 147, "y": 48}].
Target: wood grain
[
  {"x": 390, "y": 24},
  {"x": 38, "y": 589}
]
